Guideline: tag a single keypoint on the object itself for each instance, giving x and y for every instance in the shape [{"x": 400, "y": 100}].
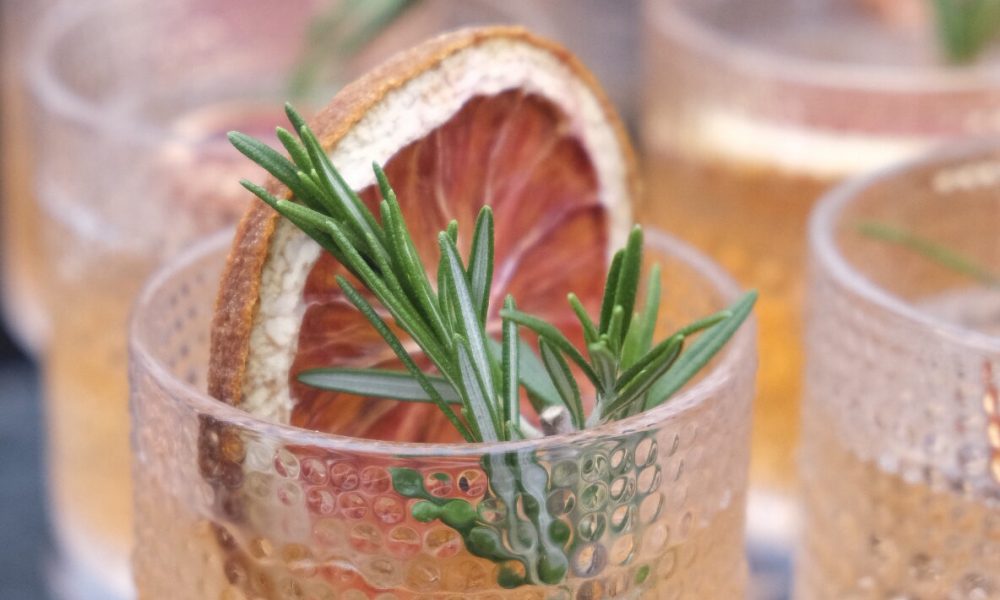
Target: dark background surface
[{"x": 24, "y": 537}]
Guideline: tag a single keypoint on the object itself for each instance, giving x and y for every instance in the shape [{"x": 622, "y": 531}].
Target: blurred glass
[
  {"x": 752, "y": 108},
  {"x": 601, "y": 33},
  {"x": 21, "y": 297},
  {"x": 133, "y": 100},
  {"x": 901, "y": 416},
  {"x": 604, "y": 34}
]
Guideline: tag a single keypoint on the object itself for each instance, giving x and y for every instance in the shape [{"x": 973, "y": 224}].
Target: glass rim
[
  {"x": 823, "y": 246},
  {"x": 755, "y": 61},
  {"x": 54, "y": 95},
  {"x": 741, "y": 347}
]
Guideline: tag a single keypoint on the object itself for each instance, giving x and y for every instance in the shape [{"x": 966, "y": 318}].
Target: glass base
[
  {"x": 84, "y": 564},
  {"x": 28, "y": 326},
  {"x": 773, "y": 522},
  {"x": 71, "y": 580}
]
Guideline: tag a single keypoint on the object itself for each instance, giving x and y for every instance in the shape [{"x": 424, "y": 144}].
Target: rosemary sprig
[
  {"x": 478, "y": 380},
  {"x": 934, "y": 251},
  {"x": 629, "y": 375},
  {"x": 965, "y": 27},
  {"x": 449, "y": 323}
]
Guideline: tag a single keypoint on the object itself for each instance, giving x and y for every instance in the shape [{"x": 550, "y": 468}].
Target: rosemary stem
[{"x": 939, "y": 253}]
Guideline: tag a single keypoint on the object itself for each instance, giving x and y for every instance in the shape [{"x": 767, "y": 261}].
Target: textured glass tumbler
[
  {"x": 21, "y": 283},
  {"x": 134, "y": 99},
  {"x": 754, "y": 108},
  {"x": 900, "y": 462},
  {"x": 132, "y": 102},
  {"x": 229, "y": 506}
]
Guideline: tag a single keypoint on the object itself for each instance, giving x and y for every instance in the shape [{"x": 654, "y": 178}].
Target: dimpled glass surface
[
  {"x": 901, "y": 430},
  {"x": 232, "y": 508}
]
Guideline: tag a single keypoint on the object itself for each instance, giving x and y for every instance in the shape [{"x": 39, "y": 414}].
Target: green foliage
[{"x": 965, "y": 27}]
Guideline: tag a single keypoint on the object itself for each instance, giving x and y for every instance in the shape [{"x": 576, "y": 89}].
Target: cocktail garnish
[{"x": 478, "y": 380}]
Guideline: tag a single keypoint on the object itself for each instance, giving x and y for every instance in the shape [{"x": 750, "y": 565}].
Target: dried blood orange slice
[{"x": 484, "y": 116}]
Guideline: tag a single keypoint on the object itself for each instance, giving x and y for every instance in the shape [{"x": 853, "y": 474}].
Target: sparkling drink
[
  {"x": 901, "y": 420},
  {"x": 230, "y": 506},
  {"x": 753, "y": 110}
]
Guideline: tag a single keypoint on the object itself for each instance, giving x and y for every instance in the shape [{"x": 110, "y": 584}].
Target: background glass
[
  {"x": 21, "y": 296},
  {"x": 229, "y": 504},
  {"x": 134, "y": 100},
  {"x": 752, "y": 108},
  {"x": 901, "y": 418}
]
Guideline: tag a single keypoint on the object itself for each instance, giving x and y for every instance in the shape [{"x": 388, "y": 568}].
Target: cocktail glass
[
  {"x": 134, "y": 100},
  {"x": 900, "y": 461},
  {"x": 21, "y": 289},
  {"x": 231, "y": 506},
  {"x": 753, "y": 108}
]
